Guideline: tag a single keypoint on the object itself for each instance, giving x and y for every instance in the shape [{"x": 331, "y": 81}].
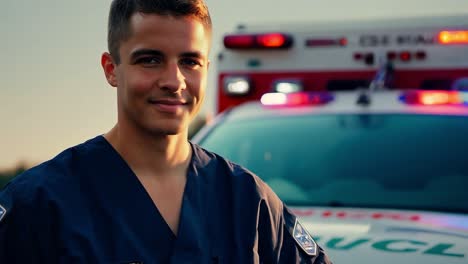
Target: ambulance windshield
[{"x": 378, "y": 160}]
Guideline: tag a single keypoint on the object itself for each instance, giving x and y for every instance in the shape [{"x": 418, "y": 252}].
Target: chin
[
  {"x": 167, "y": 130},
  {"x": 166, "y": 127},
  {"x": 172, "y": 132}
]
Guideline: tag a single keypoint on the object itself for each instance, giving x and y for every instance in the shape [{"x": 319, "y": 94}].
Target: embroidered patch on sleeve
[
  {"x": 2, "y": 212},
  {"x": 304, "y": 239}
]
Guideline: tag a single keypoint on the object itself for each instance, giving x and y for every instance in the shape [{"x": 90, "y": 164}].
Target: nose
[{"x": 172, "y": 79}]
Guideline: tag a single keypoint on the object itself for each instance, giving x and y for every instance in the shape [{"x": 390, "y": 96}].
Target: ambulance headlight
[
  {"x": 236, "y": 86},
  {"x": 287, "y": 86}
]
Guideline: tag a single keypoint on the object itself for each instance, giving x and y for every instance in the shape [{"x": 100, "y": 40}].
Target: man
[{"x": 142, "y": 193}]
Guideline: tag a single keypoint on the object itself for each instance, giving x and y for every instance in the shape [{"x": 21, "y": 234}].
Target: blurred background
[{"x": 53, "y": 93}]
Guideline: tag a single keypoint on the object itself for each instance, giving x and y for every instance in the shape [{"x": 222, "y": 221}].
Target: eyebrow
[
  {"x": 137, "y": 53},
  {"x": 192, "y": 54}
]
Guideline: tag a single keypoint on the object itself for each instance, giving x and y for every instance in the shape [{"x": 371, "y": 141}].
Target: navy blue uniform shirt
[{"x": 87, "y": 206}]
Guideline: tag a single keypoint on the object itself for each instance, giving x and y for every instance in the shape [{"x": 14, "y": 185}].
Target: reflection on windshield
[{"x": 397, "y": 161}]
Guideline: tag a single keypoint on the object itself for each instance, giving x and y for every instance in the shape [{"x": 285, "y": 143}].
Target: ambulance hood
[{"x": 387, "y": 236}]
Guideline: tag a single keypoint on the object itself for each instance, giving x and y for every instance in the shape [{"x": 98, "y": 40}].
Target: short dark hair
[{"x": 122, "y": 10}]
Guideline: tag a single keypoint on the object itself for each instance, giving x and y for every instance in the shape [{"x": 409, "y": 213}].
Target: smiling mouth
[
  {"x": 170, "y": 106},
  {"x": 167, "y": 102}
]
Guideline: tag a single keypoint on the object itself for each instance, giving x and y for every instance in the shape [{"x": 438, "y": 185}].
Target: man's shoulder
[
  {"x": 204, "y": 158},
  {"x": 237, "y": 175}
]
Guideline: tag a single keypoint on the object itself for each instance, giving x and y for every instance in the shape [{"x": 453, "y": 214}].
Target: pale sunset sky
[{"x": 53, "y": 93}]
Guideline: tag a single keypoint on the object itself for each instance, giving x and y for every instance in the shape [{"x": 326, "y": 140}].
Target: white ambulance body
[{"x": 419, "y": 53}]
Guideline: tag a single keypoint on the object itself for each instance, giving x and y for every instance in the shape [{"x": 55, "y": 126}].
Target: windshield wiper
[{"x": 335, "y": 203}]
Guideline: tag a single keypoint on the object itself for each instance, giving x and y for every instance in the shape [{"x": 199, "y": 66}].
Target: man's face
[{"x": 162, "y": 76}]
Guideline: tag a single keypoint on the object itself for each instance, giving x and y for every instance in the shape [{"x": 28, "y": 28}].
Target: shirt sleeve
[
  {"x": 296, "y": 244},
  {"x": 281, "y": 237},
  {"x": 16, "y": 237}
]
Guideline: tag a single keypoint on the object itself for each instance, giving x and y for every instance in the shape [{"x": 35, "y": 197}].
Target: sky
[{"x": 53, "y": 93}]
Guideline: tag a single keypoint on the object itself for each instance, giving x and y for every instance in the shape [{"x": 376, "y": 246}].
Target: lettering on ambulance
[
  {"x": 440, "y": 249},
  {"x": 390, "y": 245},
  {"x": 384, "y": 40},
  {"x": 376, "y": 215},
  {"x": 415, "y": 40},
  {"x": 334, "y": 243},
  {"x": 373, "y": 40}
]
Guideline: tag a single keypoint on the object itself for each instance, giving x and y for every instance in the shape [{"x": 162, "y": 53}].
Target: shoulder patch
[
  {"x": 2, "y": 212},
  {"x": 304, "y": 239}
]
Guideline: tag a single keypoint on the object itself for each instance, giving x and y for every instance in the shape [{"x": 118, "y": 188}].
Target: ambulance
[
  {"x": 374, "y": 176},
  {"x": 429, "y": 53}
]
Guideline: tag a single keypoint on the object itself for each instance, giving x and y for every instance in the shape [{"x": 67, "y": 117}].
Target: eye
[
  {"x": 190, "y": 62},
  {"x": 148, "y": 61}
]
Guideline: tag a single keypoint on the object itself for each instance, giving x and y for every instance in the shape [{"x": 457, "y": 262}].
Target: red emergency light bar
[
  {"x": 258, "y": 41},
  {"x": 435, "y": 97},
  {"x": 296, "y": 99},
  {"x": 453, "y": 37}
]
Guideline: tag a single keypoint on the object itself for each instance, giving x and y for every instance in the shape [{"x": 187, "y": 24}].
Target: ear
[{"x": 109, "y": 68}]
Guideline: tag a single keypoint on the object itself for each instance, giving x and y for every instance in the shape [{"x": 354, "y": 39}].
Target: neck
[{"x": 148, "y": 155}]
